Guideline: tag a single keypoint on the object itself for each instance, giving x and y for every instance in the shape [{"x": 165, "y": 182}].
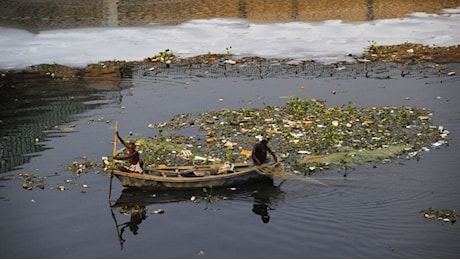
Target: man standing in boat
[
  {"x": 135, "y": 163},
  {"x": 259, "y": 152}
]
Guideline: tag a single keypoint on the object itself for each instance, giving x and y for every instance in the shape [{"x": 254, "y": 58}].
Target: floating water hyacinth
[{"x": 301, "y": 128}]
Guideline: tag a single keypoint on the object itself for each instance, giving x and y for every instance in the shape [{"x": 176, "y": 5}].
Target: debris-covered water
[
  {"x": 376, "y": 211},
  {"x": 67, "y": 214}
]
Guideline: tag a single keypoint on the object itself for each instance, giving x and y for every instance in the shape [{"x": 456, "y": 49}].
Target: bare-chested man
[
  {"x": 135, "y": 163},
  {"x": 259, "y": 152}
]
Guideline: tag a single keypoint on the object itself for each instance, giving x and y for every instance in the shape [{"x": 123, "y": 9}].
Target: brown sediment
[
  {"x": 412, "y": 53},
  {"x": 101, "y": 72}
]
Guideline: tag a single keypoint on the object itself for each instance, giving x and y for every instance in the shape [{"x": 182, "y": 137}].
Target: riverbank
[{"x": 108, "y": 71}]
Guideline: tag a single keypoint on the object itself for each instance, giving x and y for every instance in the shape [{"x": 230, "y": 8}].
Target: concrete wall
[{"x": 47, "y": 14}]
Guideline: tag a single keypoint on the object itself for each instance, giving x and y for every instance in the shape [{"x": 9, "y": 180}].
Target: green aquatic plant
[
  {"x": 372, "y": 47},
  {"x": 207, "y": 197},
  {"x": 302, "y": 127},
  {"x": 79, "y": 168},
  {"x": 407, "y": 44},
  {"x": 229, "y": 51},
  {"x": 165, "y": 54}
]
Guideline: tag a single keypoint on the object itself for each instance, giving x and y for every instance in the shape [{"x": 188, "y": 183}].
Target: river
[{"x": 367, "y": 212}]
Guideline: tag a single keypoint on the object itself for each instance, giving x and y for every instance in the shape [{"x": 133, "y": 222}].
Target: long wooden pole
[
  {"x": 120, "y": 238},
  {"x": 114, "y": 154}
]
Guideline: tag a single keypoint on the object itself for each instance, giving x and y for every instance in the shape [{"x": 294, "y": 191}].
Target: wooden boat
[{"x": 186, "y": 177}]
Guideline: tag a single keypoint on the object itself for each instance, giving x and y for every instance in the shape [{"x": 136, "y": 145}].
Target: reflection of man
[
  {"x": 135, "y": 220},
  {"x": 138, "y": 213},
  {"x": 259, "y": 152},
  {"x": 262, "y": 210},
  {"x": 261, "y": 204}
]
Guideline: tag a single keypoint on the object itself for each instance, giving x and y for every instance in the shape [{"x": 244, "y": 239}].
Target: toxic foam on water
[{"x": 327, "y": 41}]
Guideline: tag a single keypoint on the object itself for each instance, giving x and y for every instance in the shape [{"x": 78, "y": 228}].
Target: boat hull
[{"x": 156, "y": 179}]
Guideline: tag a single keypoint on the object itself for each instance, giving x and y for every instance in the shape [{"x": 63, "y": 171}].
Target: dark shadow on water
[
  {"x": 135, "y": 202},
  {"x": 33, "y": 111}
]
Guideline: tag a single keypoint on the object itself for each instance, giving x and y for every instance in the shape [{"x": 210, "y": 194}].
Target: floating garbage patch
[
  {"x": 305, "y": 133},
  {"x": 441, "y": 214}
]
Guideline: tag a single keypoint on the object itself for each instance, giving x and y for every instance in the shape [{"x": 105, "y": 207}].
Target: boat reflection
[{"x": 135, "y": 202}]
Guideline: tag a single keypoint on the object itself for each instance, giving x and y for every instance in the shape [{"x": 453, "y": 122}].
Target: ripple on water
[{"x": 372, "y": 212}]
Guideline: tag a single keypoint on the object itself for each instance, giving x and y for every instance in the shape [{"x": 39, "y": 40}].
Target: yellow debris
[
  {"x": 368, "y": 122},
  {"x": 308, "y": 123},
  {"x": 246, "y": 153},
  {"x": 423, "y": 118}
]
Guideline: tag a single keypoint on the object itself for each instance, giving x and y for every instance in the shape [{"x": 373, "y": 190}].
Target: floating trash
[
  {"x": 296, "y": 134},
  {"x": 442, "y": 214},
  {"x": 246, "y": 153},
  {"x": 185, "y": 154},
  {"x": 32, "y": 181},
  {"x": 304, "y": 130},
  {"x": 438, "y": 143},
  {"x": 200, "y": 158},
  {"x": 61, "y": 188},
  {"x": 159, "y": 211}
]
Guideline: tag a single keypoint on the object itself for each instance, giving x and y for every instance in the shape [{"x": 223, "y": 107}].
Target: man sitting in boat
[
  {"x": 135, "y": 163},
  {"x": 259, "y": 152}
]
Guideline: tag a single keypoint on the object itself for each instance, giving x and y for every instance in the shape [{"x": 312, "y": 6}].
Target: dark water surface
[{"x": 370, "y": 213}]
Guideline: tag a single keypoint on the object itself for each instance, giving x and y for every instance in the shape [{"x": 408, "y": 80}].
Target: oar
[
  {"x": 120, "y": 238},
  {"x": 114, "y": 154}
]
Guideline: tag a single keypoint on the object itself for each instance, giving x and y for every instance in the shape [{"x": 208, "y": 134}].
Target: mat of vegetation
[{"x": 304, "y": 133}]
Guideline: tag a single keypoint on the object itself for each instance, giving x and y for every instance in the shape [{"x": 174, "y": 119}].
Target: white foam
[{"x": 327, "y": 41}]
